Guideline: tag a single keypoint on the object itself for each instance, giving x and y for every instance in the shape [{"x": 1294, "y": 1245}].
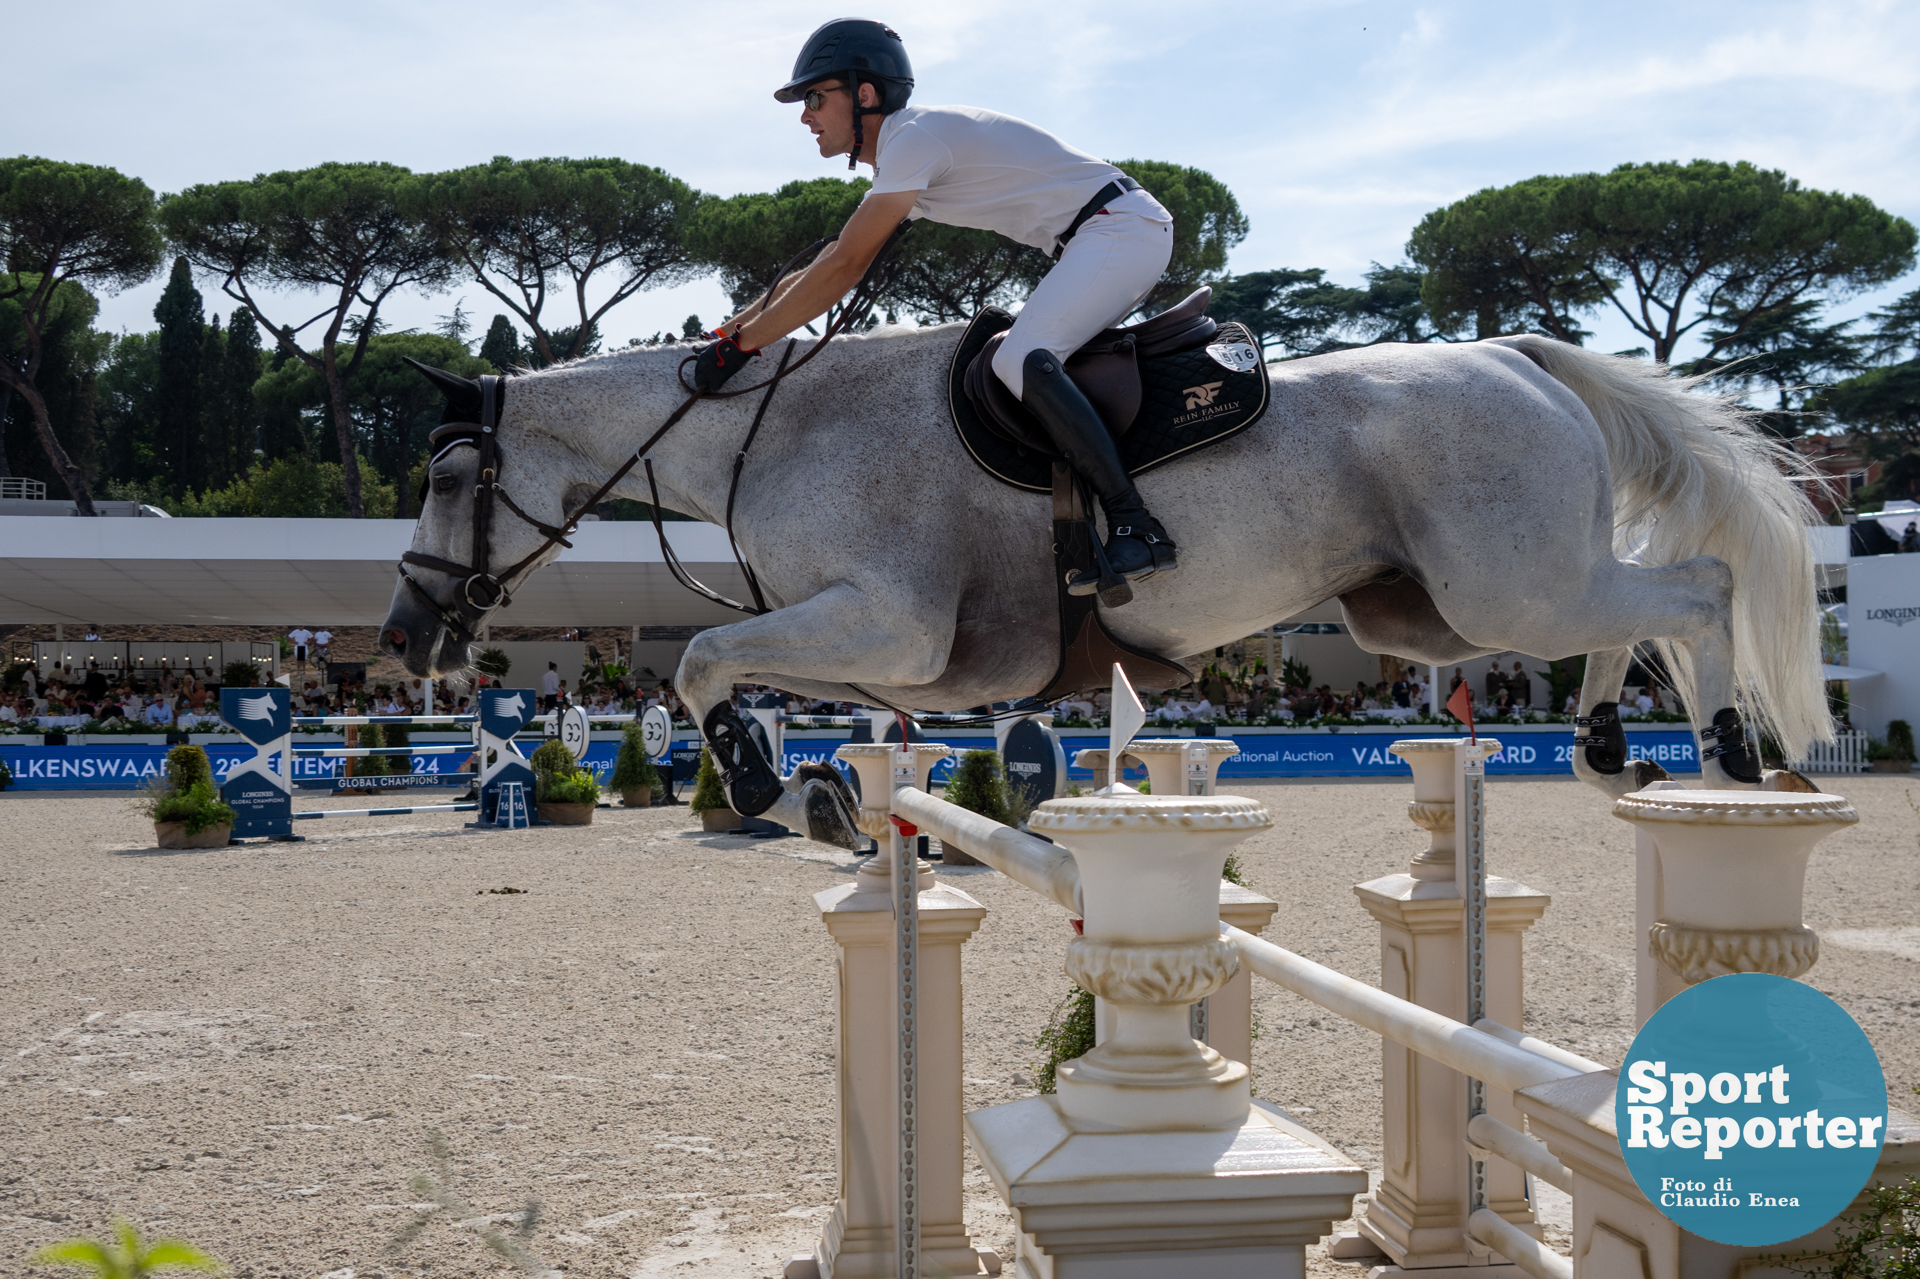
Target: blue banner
[{"x": 1358, "y": 753}]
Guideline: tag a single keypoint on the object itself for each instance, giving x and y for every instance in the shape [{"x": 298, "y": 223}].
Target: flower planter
[
  {"x": 638, "y": 797},
  {"x": 174, "y": 835},
  {"x": 567, "y": 814},
  {"x": 1893, "y": 766},
  {"x": 719, "y": 819}
]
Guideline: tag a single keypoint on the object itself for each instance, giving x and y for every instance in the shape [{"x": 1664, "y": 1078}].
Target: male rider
[{"x": 967, "y": 167}]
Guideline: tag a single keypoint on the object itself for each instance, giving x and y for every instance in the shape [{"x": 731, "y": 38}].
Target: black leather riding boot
[{"x": 1137, "y": 547}]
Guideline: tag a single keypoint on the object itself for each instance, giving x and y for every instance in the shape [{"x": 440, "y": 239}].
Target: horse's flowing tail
[{"x": 1692, "y": 476}]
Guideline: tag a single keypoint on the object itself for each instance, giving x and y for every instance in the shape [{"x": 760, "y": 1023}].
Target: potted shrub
[
  {"x": 710, "y": 799},
  {"x": 186, "y": 810},
  {"x": 1895, "y": 754},
  {"x": 565, "y": 792},
  {"x": 239, "y": 674},
  {"x": 979, "y": 785},
  {"x": 634, "y": 775},
  {"x": 370, "y": 765}
]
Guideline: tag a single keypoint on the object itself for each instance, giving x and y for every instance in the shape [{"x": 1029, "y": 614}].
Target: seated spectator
[
  {"x": 8, "y": 715},
  {"x": 159, "y": 713},
  {"x": 1573, "y": 703},
  {"x": 1644, "y": 702}
]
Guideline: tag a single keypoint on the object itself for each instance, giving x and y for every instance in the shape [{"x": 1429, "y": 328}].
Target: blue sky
[{"x": 1337, "y": 125}]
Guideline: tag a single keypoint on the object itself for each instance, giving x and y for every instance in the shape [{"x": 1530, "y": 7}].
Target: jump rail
[
  {"x": 360, "y": 720},
  {"x": 384, "y": 812}
]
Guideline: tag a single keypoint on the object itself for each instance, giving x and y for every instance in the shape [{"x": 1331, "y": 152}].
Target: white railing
[
  {"x": 15, "y": 486},
  {"x": 1133, "y": 870},
  {"x": 1846, "y": 753}
]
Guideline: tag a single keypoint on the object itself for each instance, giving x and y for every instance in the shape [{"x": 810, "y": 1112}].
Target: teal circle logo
[{"x": 1751, "y": 1109}]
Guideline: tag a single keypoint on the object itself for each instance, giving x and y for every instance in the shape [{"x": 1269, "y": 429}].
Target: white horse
[{"x": 1459, "y": 500}]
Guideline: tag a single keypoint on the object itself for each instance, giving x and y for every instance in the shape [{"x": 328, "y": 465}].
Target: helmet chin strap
[{"x": 859, "y": 121}]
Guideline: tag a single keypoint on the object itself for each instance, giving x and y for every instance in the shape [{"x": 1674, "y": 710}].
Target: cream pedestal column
[
  {"x": 1726, "y": 884},
  {"x": 1150, "y": 1161},
  {"x": 1729, "y": 875},
  {"x": 858, "y": 1238},
  {"x": 1418, "y": 1215}
]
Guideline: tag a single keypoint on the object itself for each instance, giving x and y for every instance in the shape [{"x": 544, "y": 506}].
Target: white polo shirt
[{"x": 981, "y": 169}]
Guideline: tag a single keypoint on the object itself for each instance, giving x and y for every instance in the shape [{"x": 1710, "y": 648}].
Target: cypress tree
[
  {"x": 244, "y": 365},
  {"x": 501, "y": 347},
  {"x": 209, "y": 463},
  {"x": 177, "y": 399}
]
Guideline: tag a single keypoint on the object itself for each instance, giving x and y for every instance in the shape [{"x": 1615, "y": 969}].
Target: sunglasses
[{"x": 817, "y": 98}]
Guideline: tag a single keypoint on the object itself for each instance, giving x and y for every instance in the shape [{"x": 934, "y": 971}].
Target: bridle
[{"x": 482, "y": 591}]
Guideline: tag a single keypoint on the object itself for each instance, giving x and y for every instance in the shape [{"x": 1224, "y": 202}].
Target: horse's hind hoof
[
  {"x": 1786, "y": 779},
  {"x": 828, "y": 820},
  {"x": 1636, "y": 774}
]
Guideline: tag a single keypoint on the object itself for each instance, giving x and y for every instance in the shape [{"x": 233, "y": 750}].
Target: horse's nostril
[{"x": 397, "y": 638}]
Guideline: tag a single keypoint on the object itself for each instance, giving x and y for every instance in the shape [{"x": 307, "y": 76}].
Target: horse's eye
[{"x": 443, "y": 483}]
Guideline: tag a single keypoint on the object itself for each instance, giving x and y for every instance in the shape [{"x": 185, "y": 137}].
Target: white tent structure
[{"x": 282, "y": 572}]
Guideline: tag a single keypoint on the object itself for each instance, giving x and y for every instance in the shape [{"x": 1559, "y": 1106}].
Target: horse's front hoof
[
  {"x": 1787, "y": 779},
  {"x": 828, "y": 819},
  {"x": 814, "y": 771}
]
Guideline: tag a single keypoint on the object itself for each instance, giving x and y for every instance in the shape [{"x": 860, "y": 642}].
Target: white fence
[
  {"x": 1846, "y": 753},
  {"x": 1148, "y": 1109}
]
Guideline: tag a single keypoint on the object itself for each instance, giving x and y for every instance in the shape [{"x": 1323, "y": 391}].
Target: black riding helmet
[{"x": 859, "y": 50}]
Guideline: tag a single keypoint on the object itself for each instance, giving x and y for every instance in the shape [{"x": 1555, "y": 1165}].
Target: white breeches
[{"x": 1112, "y": 262}]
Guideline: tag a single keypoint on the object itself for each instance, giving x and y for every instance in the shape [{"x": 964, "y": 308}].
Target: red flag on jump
[{"x": 1460, "y": 705}]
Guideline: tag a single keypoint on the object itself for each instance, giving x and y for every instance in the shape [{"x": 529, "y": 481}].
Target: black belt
[{"x": 1112, "y": 191}]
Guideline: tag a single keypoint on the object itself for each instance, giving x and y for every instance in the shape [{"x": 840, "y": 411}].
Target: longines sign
[{"x": 1898, "y": 616}]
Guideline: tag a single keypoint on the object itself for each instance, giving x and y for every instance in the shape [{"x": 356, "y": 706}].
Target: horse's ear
[{"x": 463, "y": 394}]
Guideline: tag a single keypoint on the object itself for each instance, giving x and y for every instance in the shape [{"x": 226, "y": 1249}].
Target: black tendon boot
[
  {"x": 749, "y": 780},
  {"x": 1733, "y": 747},
  {"x": 1137, "y": 547}
]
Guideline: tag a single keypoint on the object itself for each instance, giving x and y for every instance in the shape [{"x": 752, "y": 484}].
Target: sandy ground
[{"x": 249, "y": 1047}]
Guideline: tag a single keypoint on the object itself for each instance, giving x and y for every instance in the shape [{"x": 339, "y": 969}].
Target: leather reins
[{"x": 493, "y": 588}]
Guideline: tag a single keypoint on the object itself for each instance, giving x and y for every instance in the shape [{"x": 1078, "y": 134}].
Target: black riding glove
[{"x": 718, "y": 362}]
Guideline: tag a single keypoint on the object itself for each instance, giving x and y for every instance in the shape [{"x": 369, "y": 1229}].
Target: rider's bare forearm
[
  {"x": 740, "y": 317},
  {"x": 806, "y": 296}
]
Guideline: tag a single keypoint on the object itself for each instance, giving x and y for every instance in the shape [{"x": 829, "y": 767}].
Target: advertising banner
[{"x": 1356, "y": 753}]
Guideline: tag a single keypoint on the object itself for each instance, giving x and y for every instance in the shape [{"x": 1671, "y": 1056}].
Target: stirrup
[{"x": 1111, "y": 583}]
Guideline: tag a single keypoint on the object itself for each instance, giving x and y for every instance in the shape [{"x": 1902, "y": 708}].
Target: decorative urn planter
[
  {"x": 174, "y": 835},
  {"x": 638, "y": 797},
  {"x": 567, "y": 814},
  {"x": 1151, "y": 946},
  {"x": 1733, "y": 868}
]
